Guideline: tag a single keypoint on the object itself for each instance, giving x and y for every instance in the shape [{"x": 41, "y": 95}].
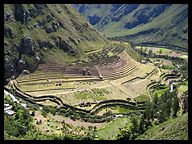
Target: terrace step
[
  {"x": 112, "y": 77},
  {"x": 51, "y": 78},
  {"x": 103, "y": 70},
  {"x": 86, "y": 79},
  {"x": 127, "y": 67},
  {"x": 125, "y": 70}
]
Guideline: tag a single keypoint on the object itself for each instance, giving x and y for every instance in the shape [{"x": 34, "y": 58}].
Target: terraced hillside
[
  {"x": 64, "y": 81},
  {"x": 114, "y": 71},
  {"x": 45, "y": 33}
]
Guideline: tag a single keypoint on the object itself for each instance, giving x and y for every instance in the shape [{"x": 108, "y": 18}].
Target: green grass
[
  {"x": 162, "y": 50},
  {"x": 123, "y": 110},
  {"x": 160, "y": 91},
  {"x": 182, "y": 88},
  {"x": 175, "y": 129},
  {"x": 110, "y": 130},
  {"x": 168, "y": 66},
  {"x": 142, "y": 97},
  {"x": 186, "y": 83},
  {"x": 55, "y": 55},
  {"x": 96, "y": 94},
  {"x": 100, "y": 92}
]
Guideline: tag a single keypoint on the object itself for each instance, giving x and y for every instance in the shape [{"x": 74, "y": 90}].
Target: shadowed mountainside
[{"x": 156, "y": 24}]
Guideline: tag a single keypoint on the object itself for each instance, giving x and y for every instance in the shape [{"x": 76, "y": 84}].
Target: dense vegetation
[{"x": 161, "y": 112}]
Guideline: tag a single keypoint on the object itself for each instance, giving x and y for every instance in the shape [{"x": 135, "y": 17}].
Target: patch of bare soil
[
  {"x": 175, "y": 54},
  {"x": 77, "y": 123}
]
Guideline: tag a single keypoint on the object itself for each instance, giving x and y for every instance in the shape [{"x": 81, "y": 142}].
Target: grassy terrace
[
  {"x": 94, "y": 109},
  {"x": 110, "y": 130},
  {"x": 89, "y": 94}
]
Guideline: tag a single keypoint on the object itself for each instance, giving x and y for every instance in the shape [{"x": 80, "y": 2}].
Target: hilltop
[{"x": 154, "y": 24}]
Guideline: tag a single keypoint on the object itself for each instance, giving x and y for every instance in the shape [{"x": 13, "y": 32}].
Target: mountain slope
[
  {"x": 175, "y": 129},
  {"x": 45, "y": 33},
  {"x": 159, "y": 24}
]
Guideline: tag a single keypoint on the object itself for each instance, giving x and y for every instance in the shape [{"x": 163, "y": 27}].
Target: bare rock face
[
  {"x": 34, "y": 12},
  {"x": 49, "y": 29},
  {"x": 8, "y": 17},
  {"x": 26, "y": 45},
  {"x": 8, "y": 32},
  {"x": 46, "y": 44},
  {"x": 53, "y": 27},
  {"x": 21, "y": 65},
  {"x": 8, "y": 69},
  {"x": 41, "y": 23},
  {"x": 40, "y": 6},
  {"x": 74, "y": 41},
  {"x": 21, "y": 14},
  {"x": 66, "y": 47}
]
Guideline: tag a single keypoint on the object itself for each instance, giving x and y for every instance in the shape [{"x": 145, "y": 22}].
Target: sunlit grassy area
[
  {"x": 182, "y": 88},
  {"x": 110, "y": 130}
]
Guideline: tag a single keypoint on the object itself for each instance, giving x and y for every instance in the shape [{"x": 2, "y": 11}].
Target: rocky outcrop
[
  {"x": 53, "y": 27},
  {"x": 31, "y": 30},
  {"x": 73, "y": 40},
  {"x": 40, "y": 6},
  {"x": 21, "y": 65},
  {"x": 46, "y": 44},
  {"x": 41, "y": 23},
  {"x": 34, "y": 12},
  {"x": 49, "y": 18},
  {"x": 21, "y": 14},
  {"x": 26, "y": 46},
  {"x": 8, "y": 32},
  {"x": 49, "y": 29},
  {"x": 64, "y": 45},
  {"x": 8, "y": 17},
  {"x": 8, "y": 69}
]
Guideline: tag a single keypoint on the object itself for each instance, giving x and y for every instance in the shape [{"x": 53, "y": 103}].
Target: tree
[
  {"x": 142, "y": 125},
  {"x": 123, "y": 134},
  {"x": 94, "y": 128},
  {"x": 160, "y": 51},
  {"x": 168, "y": 107},
  {"x": 145, "y": 50},
  {"x": 185, "y": 103},
  {"x": 134, "y": 127},
  {"x": 90, "y": 127},
  {"x": 150, "y": 52},
  {"x": 149, "y": 112},
  {"x": 141, "y": 50},
  {"x": 155, "y": 101},
  {"x": 162, "y": 115},
  {"x": 175, "y": 106}
]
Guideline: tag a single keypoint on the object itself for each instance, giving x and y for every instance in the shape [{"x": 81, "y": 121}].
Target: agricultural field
[
  {"x": 87, "y": 95},
  {"x": 110, "y": 130},
  {"x": 68, "y": 85},
  {"x": 162, "y": 51}
]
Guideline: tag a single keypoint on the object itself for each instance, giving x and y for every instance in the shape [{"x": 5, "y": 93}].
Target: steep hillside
[
  {"x": 45, "y": 33},
  {"x": 157, "y": 24},
  {"x": 175, "y": 129}
]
